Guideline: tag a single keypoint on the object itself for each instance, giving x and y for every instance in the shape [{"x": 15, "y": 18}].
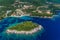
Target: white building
[
  {"x": 27, "y": 6},
  {"x": 19, "y": 13}
]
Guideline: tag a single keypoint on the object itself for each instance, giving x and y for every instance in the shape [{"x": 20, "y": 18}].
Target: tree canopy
[{"x": 6, "y": 2}]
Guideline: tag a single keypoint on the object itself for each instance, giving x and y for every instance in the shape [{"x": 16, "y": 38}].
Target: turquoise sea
[
  {"x": 10, "y": 21},
  {"x": 51, "y": 28}
]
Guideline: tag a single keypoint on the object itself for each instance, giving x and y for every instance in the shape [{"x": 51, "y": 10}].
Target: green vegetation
[
  {"x": 35, "y": 2},
  {"x": 7, "y": 5},
  {"x": 6, "y": 2},
  {"x": 4, "y": 6},
  {"x": 41, "y": 14},
  {"x": 24, "y": 26}
]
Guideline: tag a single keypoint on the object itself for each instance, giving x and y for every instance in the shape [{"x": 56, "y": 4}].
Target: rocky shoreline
[{"x": 25, "y": 32}]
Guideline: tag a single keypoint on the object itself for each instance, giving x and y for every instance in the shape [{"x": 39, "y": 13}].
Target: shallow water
[{"x": 51, "y": 28}]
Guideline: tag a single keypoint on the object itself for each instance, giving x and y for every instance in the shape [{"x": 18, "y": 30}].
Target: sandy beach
[{"x": 25, "y": 32}]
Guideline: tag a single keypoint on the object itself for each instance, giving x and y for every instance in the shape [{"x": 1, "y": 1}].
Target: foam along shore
[{"x": 25, "y": 32}]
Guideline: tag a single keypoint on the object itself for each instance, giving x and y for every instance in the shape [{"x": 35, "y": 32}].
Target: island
[{"x": 27, "y": 27}]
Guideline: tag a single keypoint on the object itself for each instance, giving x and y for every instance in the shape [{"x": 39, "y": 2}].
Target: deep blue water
[{"x": 51, "y": 27}]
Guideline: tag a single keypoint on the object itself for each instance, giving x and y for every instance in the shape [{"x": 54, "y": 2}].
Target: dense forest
[
  {"x": 35, "y": 2},
  {"x": 6, "y": 2},
  {"x": 9, "y": 2}
]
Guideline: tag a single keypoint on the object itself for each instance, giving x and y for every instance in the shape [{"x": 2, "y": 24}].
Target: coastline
[
  {"x": 33, "y": 16},
  {"x": 42, "y": 17},
  {"x": 25, "y": 32}
]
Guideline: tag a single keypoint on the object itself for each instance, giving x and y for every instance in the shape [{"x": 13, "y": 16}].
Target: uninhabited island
[{"x": 27, "y": 27}]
